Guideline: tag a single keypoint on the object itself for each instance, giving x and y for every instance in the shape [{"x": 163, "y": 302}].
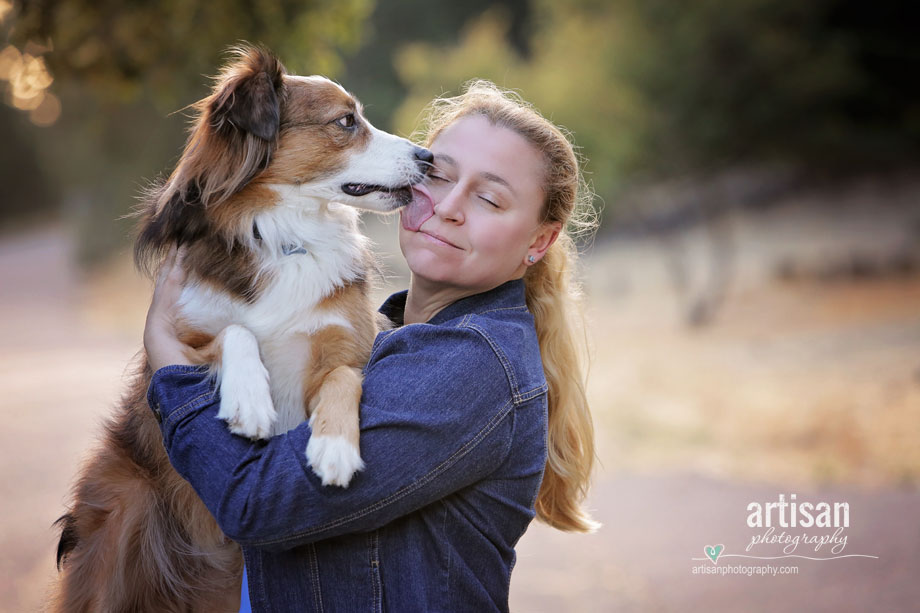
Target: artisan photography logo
[{"x": 788, "y": 531}]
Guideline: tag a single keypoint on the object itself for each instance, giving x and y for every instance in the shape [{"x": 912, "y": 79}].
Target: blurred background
[{"x": 753, "y": 292}]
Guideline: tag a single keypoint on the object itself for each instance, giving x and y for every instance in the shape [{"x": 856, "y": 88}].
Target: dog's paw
[
  {"x": 246, "y": 401},
  {"x": 333, "y": 459}
]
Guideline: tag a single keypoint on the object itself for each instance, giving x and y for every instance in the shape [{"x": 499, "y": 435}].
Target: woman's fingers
[
  {"x": 171, "y": 270},
  {"x": 177, "y": 270},
  {"x": 161, "y": 338},
  {"x": 170, "y": 281},
  {"x": 167, "y": 265}
]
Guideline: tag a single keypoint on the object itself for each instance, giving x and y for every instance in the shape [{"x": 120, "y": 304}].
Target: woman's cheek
[{"x": 496, "y": 240}]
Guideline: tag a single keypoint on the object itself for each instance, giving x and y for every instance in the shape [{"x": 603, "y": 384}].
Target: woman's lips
[
  {"x": 438, "y": 238},
  {"x": 418, "y": 210}
]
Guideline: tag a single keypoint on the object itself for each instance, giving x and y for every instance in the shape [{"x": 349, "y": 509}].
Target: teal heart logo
[{"x": 713, "y": 553}]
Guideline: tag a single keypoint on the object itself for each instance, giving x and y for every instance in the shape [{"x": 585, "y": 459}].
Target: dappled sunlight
[{"x": 28, "y": 82}]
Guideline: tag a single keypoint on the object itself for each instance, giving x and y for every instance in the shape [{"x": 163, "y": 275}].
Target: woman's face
[{"x": 487, "y": 198}]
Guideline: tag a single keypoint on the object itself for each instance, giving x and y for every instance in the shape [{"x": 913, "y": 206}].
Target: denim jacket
[{"x": 453, "y": 436}]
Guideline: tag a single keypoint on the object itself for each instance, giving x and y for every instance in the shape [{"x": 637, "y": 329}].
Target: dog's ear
[
  {"x": 236, "y": 131},
  {"x": 231, "y": 142},
  {"x": 237, "y": 128},
  {"x": 247, "y": 97}
]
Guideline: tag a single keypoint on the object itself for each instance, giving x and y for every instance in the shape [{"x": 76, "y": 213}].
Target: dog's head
[{"x": 261, "y": 127}]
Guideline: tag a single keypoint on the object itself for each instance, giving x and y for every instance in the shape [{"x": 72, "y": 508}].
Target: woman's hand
[{"x": 161, "y": 339}]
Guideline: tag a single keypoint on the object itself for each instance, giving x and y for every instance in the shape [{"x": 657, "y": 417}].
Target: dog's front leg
[
  {"x": 333, "y": 450},
  {"x": 245, "y": 395}
]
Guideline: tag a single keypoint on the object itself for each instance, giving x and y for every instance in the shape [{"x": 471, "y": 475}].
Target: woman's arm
[
  {"x": 432, "y": 422},
  {"x": 436, "y": 416}
]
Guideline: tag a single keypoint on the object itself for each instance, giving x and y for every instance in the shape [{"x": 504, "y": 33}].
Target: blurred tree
[
  {"x": 755, "y": 79},
  {"x": 118, "y": 46},
  {"x": 119, "y": 67},
  {"x": 568, "y": 74},
  {"x": 26, "y": 192},
  {"x": 654, "y": 88},
  {"x": 370, "y": 71}
]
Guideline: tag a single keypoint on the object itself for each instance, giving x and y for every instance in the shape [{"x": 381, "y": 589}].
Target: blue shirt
[{"x": 453, "y": 436}]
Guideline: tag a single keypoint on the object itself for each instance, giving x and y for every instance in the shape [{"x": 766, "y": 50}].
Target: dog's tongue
[{"x": 417, "y": 211}]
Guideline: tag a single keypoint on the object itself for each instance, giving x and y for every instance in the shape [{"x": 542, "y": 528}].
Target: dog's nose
[{"x": 423, "y": 157}]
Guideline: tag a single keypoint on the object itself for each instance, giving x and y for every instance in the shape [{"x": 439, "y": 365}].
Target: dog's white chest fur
[{"x": 284, "y": 315}]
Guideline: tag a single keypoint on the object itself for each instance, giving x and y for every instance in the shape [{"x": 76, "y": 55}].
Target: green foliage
[
  {"x": 370, "y": 72},
  {"x": 117, "y": 46},
  {"x": 122, "y": 67},
  {"x": 656, "y": 88},
  {"x": 561, "y": 77},
  {"x": 734, "y": 80}
]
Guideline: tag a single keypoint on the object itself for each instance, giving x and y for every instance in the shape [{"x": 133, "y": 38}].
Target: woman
[{"x": 473, "y": 413}]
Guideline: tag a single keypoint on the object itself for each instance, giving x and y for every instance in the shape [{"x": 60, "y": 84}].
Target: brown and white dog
[{"x": 264, "y": 198}]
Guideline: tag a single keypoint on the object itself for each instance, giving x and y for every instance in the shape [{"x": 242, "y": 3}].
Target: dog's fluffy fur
[{"x": 264, "y": 200}]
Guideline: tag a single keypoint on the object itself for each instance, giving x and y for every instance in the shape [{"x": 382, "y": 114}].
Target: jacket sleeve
[{"x": 436, "y": 416}]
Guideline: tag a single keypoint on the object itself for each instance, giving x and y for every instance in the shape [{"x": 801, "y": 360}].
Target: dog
[{"x": 265, "y": 200}]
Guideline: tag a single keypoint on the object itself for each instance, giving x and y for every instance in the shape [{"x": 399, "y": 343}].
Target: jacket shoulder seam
[
  {"x": 499, "y": 353},
  {"x": 520, "y": 307},
  {"x": 505, "y": 362}
]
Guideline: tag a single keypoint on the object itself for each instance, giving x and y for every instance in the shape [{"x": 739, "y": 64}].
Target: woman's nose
[{"x": 450, "y": 205}]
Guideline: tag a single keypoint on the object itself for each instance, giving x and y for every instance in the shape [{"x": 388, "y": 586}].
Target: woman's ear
[{"x": 545, "y": 237}]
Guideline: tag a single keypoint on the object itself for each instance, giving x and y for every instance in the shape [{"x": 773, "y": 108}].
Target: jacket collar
[{"x": 507, "y": 295}]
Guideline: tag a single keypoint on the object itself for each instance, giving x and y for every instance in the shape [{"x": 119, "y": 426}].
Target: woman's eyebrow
[
  {"x": 488, "y": 176},
  {"x": 440, "y": 157}
]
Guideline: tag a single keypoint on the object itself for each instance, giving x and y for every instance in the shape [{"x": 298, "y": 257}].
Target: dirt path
[
  {"x": 62, "y": 358},
  {"x": 58, "y": 377}
]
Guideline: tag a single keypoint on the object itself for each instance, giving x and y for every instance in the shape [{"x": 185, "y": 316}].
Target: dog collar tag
[{"x": 293, "y": 250}]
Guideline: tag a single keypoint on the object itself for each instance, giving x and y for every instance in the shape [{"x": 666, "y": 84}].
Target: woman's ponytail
[{"x": 553, "y": 298}]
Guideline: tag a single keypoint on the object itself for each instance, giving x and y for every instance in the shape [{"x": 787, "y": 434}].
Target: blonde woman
[{"x": 473, "y": 415}]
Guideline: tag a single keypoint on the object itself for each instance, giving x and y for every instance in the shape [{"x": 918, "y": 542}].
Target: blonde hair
[{"x": 553, "y": 294}]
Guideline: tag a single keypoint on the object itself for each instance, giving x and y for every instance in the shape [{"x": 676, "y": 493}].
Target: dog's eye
[{"x": 347, "y": 121}]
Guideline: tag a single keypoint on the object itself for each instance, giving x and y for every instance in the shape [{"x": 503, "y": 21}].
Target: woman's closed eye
[{"x": 489, "y": 199}]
